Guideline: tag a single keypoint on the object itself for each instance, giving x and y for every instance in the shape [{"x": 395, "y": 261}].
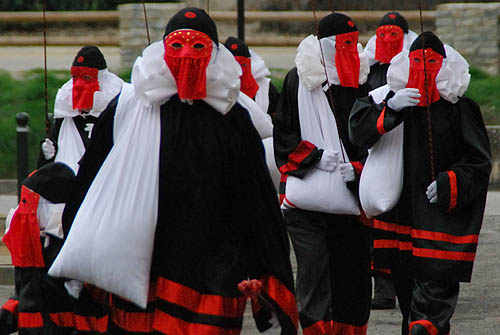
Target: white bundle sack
[
  {"x": 271, "y": 162},
  {"x": 319, "y": 190},
  {"x": 382, "y": 177}
]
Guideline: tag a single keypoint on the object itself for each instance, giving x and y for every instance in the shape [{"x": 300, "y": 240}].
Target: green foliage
[{"x": 484, "y": 90}]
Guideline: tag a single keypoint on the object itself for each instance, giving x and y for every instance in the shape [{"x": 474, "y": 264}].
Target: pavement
[
  {"x": 478, "y": 310},
  {"x": 61, "y": 57}
]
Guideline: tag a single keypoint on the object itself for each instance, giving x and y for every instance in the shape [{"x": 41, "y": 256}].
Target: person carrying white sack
[
  {"x": 446, "y": 166},
  {"x": 320, "y": 171},
  {"x": 174, "y": 211},
  {"x": 78, "y": 104}
]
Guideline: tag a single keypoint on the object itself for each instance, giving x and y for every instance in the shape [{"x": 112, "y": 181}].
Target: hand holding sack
[
  {"x": 407, "y": 97},
  {"x": 347, "y": 172},
  {"x": 48, "y": 149},
  {"x": 432, "y": 193}
]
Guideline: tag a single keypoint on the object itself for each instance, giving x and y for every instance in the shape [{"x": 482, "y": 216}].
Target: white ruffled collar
[
  {"x": 109, "y": 86},
  {"x": 372, "y": 44},
  {"x": 310, "y": 66},
  {"x": 153, "y": 82},
  {"x": 452, "y": 80}
]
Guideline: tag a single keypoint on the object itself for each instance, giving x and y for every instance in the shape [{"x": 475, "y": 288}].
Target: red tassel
[{"x": 250, "y": 288}]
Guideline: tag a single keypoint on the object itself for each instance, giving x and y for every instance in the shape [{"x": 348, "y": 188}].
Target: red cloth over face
[
  {"x": 85, "y": 83},
  {"x": 389, "y": 42},
  {"x": 249, "y": 85},
  {"x": 418, "y": 74},
  {"x": 187, "y": 54},
  {"x": 347, "y": 58}
]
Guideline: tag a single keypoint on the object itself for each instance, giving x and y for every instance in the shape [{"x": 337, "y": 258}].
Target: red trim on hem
[
  {"x": 347, "y": 329},
  {"x": 79, "y": 322},
  {"x": 392, "y": 227},
  {"x": 392, "y": 244},
  {"x": 431, "y": 329},
  {"x": 443, "y": 237},
  {"x": 169, "y": 324},
  {"x": 318, "y": 328},
  {"x": 282, "y": 296},
  {"x": 446, "y": 255},
  {"x": 30, "y": 320},
  {"x": 300, "y": 153},
  {"x": 358, "y": 167},
  {"x": 197, "y": 302},
  {"x": 453, "y": 190},
  {"x": 11, "y": 306},
  {"x": 380, "y": 122},
  {"x": 141, "y": 322}
]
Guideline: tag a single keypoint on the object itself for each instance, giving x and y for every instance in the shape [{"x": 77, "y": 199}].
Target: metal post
[
  {"x": 22, "y": 130},
  {"x": 241, "y": 19}
]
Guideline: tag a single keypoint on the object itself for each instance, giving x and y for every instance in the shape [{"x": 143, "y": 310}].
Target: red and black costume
[
  {"x": 434, "y": 242},
  {"x": 333, "y": 278},
  {"x": 218, "y": 219}
]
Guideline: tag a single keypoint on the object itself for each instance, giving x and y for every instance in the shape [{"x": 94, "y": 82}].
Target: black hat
[
  {"x": 193, "y": 18},
  {"x": 429, "y": 40},
  {"x": 394, "y": 19},
  {"x": 237, "y": 46},
  {"x": 52, "y": 181},
  {"x": 335, "y": 24},
  {"x": 90, "y": 56}
]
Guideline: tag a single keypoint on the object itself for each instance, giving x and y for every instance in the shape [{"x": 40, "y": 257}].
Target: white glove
[
  {"x": 48, "y": 149},
  {"x": 432, "y": 192},
  {"x": 347, "y": 172},
  {"x": 73, "y": 287},
  {"x": 407, "y": 97},
  {"x": 328, "y": 161}
]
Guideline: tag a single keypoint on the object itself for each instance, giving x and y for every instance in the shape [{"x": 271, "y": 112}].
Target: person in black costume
[
  {"x": 439, "y": 214},
  {"x": 218, "y": 221},
  {"x": 79, "y": 102},
  {"x": 331, "y": 246}
]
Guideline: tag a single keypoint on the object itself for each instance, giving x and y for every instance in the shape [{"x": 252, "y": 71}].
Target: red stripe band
[
  {"x": 446, "y": 255},
  {"x": 380, "y": 122},
  {"x": 453, "y": 189},
  {"x": 392, "y": 227},
  {"x": 347, "y": 329},
  {"x": 319, "y": 328},
  {"x": 79, "y": 322},
  {"x": 431, "y": 329},
  {"x": 11, "y": 306},
  {"x": 392, "y": 244},
  {"x": 132, "y": 322},
  {"x": 282, "y": 296},
  {"x": 200, "y": 303},
  {"x": 300, "y": 153},
  {"x": 358, "y": 167},
  {"x": 443, "y": 237},
  {"x": 30, "y": 320}
]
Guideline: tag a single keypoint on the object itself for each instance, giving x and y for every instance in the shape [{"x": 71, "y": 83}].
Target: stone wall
[
  {"x": 472, "y": 29},
  {"x": 494, "y": 135}
]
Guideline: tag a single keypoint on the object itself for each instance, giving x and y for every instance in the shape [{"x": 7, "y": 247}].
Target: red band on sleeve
[
  {"x": 300, "y": 153},
  {"x": 380, "y": 123},
  {"x": 358, "y": 167},
  {"x": 453, "y": 189}
]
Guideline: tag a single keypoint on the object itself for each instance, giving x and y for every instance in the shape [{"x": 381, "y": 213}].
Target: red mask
[
  {"x": 85, "y": 83},
  {"x": 416, "y": 79},
  {"x": 187, "y": 54},
  {"x": 249, "y": 85},
  {"x": 389, "y": 43},
  {"x": 347, "y": 58}
]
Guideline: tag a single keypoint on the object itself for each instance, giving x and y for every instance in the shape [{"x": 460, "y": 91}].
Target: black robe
[
  {"x": 293, "y": 155},
  {"x": 378, "y": 75},
  {"x": 441, "y": 238},
  {"x": 218, "y": 220}
]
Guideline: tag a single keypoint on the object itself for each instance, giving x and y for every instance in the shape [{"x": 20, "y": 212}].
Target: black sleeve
[
  {"x": 293, "y": 155},
  {"x": 274, "y": 96},
  {"x": 53, "y": 136},
  {"x": 368, "y": 121},
  {"x": 100, "y": 145},
  {"x": 469, "y": 176}
]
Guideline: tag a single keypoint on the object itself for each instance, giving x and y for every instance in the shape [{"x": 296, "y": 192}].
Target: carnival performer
[
  {"x": 446, "y": 162},
  {"x": 392, "y": 36},
  {"x": 79, "y": 102},
  {"x": 191, "y": 219},
  {"x": 320, "y": 169}
]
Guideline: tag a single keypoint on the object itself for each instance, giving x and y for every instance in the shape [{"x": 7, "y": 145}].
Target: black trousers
[{"x": 333, "y": 287}]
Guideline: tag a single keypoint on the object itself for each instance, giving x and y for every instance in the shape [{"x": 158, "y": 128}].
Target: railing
[{"x": 113, "y": 17}]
